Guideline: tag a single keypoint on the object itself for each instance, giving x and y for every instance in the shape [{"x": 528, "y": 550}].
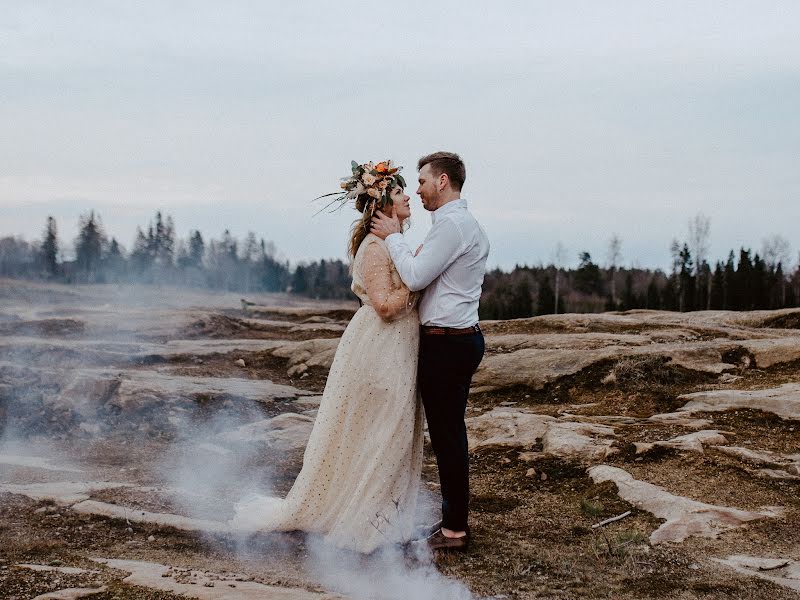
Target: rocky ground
[{"x": 621, "y": 455}]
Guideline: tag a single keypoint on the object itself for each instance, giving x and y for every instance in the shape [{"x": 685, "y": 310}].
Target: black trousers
[{"x": 446, "y": 366}]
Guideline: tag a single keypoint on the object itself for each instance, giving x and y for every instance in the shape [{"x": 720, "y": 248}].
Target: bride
[{"x": 362, "y": 464}]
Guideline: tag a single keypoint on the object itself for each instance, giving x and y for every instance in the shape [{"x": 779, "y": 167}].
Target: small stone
[
  {"x": 530, "y": 472},
  {"x": 151, "y": 538},
  {"x": 239, "y": 362},
  {"x": 505, "y": 460},
  {"x": 543, "y": 477}
]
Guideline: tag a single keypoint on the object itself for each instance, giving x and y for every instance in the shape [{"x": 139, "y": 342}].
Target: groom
[{"x": 449, "y": 266}]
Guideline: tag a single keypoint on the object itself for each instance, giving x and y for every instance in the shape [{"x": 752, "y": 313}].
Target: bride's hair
[{"x": 360, "y": 228}]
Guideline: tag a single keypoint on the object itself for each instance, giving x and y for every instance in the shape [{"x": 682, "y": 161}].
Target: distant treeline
[{"x": 745, "y": 281}]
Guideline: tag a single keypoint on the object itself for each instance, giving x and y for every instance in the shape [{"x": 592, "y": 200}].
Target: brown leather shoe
[{"x": 439, "y": 541}]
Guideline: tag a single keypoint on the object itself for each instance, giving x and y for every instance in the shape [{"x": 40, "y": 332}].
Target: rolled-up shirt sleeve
[{"x": 443, "y": 244}]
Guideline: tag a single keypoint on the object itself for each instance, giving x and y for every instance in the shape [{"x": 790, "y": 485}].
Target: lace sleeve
[{"x": 389, "y": 299}]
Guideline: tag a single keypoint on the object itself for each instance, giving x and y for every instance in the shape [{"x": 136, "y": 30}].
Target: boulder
[{"x": 507, "y": 427}]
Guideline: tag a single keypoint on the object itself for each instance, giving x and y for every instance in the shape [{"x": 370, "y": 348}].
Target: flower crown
[{"x": 376, "y": 180}]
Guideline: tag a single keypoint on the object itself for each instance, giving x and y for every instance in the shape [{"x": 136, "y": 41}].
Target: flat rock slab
[
  {"x": 65, "y": 493},
  {"x": 507, "y": 427},
  {"x": 691, "y": 442},
  {"x": 684, "y": 517},
  {"x": 204, "y": 585},
  {"x": 308, "y": 353},
  {"x": 516, "y": 428},
  {"x": 48, "y": 568},
  {"x": 115, "y": 511},
  {"x": 287, "y": 431},
  {"x": 126, "y": 352},
  {"x": 783, "y": 401},
  {"x": 71, "y": 594},
  {"x": 35, "y": 462},
  {"x": 781, "y": 571},
  {"x": 137, "y": 390}
]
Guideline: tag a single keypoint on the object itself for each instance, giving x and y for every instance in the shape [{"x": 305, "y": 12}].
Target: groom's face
[{"x": 427, "y": 190}]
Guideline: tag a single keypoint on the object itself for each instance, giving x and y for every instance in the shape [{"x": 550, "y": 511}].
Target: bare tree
[
  {"x": 613, "y": 258},
  {"x": 559, "y": 260},
  {"x": 776, "y": 250},
  {"x": 699, "y": 235}
]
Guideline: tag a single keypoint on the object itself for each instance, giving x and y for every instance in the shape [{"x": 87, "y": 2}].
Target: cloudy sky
[{"x": 576, "y": 120}]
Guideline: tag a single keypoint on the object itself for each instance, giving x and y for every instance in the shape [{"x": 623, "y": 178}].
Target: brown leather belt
[{"x": 435, "y": 330}]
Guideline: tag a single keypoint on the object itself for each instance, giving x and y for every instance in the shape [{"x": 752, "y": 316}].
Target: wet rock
[{"x": 684, "y": 517}]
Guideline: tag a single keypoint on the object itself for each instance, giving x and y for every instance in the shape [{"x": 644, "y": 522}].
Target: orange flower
[{"x": 382, "y": 167}]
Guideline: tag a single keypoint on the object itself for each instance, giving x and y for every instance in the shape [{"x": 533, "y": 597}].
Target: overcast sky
[{"x": 576, "y": 119}]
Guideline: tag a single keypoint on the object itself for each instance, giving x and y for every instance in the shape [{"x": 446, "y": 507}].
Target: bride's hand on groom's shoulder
[{"x": 384, "y": 225}]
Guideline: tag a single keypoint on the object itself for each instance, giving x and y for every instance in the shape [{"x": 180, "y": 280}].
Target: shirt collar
[{"x": 448, "y": 208}]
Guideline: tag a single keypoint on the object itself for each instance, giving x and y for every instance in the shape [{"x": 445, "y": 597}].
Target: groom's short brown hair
[{"x": 448, "y": 163}]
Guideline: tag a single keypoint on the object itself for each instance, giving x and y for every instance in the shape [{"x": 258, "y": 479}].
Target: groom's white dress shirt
[{"x": 450, "y": 267}]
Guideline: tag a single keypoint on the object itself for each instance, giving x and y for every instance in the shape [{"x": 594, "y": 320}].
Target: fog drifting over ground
[{"x": 575, "y": 120}]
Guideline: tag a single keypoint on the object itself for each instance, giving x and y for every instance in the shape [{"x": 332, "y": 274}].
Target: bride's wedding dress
[{"x": 361, "y": 467}]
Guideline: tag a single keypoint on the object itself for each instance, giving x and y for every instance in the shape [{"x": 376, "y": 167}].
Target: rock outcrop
[
  {"x": 684, "y": 517},
  {"x": 783, "y": 401}
]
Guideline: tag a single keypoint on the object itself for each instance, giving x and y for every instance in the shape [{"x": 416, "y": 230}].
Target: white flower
[
  {"x": 375, "y": 193},
  {"x": 368, "y": 178}
]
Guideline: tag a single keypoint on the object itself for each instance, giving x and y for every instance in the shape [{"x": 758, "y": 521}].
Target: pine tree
[
  {"x": 587, "y": 277},
  {"x": 717, "y": 294},
  {"x": 89, "y": 246},
  {"x": 730, "y": 291},
  {"x": 49, "y": 248},
  {"x": 546, "y": 302},
  {"x": 197, "y": 249},
  {"x": 744, "y": 279},
  {"x": 653, "y": 297},
  {"x": 629, "y": 299},
  {"x": 141, "y": 256}
]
